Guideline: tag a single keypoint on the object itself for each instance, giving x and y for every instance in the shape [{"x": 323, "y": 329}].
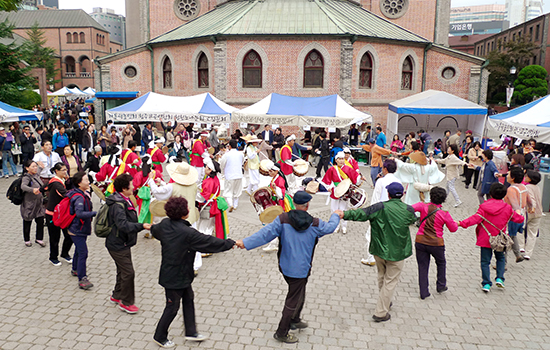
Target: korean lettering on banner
[
  {"x": 517, "y": 131},
  {"x": 194, "y": 118}
]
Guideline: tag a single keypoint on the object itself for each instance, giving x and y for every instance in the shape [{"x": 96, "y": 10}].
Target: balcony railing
[
  {"x": 70, "y": 75},
  {"x": 85, "y": 74}
]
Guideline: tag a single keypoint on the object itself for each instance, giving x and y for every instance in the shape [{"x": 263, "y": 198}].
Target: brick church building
[{"x": 370, "y": 52}]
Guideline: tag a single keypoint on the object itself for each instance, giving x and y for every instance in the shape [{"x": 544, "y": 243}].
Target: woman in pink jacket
[{"x": 492, "y": 217}]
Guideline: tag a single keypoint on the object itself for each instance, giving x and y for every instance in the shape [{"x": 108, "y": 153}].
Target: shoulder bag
[{"x": 501, "y": 242}]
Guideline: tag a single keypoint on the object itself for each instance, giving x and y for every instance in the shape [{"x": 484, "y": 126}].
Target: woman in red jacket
[{"x": 491, "y": 218}]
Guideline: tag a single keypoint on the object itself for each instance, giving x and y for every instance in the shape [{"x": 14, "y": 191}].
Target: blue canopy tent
[
  {"x": 435, "y": 111},
  {"x": 10, "y": 114},
  {"x": 324, "y": 111}
]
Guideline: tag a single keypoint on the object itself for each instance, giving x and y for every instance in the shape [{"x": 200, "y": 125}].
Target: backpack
[
  {"x": 101, "y": 224},
  {"x": 15, "y": 193},
  {"x": 535, "y": 160},
  {"x": 62, "y": 217}
]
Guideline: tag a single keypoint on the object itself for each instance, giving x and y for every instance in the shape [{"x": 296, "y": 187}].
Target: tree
[
  {"x": 14, "y": 76},
  {"x": 531, "y": 83},
  {"x": 517, "y": 54},
  {"x": 9, "y": 5},
  {"x": 37, "y": 55}
]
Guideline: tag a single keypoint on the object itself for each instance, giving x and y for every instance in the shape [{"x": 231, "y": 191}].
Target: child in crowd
[
  {"x": 491, "y": 218},
  {"x": 534, "y": 214},
  {"x": 518, "y": 197},
  {"x": 452, "y": 166},
  {"x": 429, "y": 240}
]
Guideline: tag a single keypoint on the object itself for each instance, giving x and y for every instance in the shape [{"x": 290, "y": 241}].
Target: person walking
[
  {"x": 492, "y": 218},
  {"x": 103, "y": 139},
  {"x": 71, "y": 161},
  {"x": 376, "y": 153},
  {"x": 534, "y": 216},
  {"x": 429, "y": 240},
  {"x": 489, "y": 175},
  {"x": 60, "y": 140},
  {"x": 32, "y": 207},
  {"x": 231, "y": 165},
  {"x": 298, "y": 234},
  {"x": 251, "y": 152},
  {"x": 454, "y": 139},
  {"x": 278, "y": 142},
  {"x": 518, "y": 197},
  {"x": 391, "y": 242},
  {"x": 452, "y": 168},
  {"x": 56, "y": 192},
  {"x": 322, "y": 149},
  {"x": 380, "y": 137},
  {"x": 180, "y": 242},
  {"x": 46, "y": 160},
  {"x": 123, "y": 219},
  {"x": 81, "y": 226},
  {"x": 474, "y": 157},
  {"x": 27, "y": 144},
  {"x": 7, "y": 157}
]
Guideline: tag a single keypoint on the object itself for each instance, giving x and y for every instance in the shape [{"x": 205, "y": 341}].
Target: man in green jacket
[{"x": 390, "y": 242}]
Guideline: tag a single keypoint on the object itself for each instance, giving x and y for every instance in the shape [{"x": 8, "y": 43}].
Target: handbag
[{"x": 501, "y": 242}]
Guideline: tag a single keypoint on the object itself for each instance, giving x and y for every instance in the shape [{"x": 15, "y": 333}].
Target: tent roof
[
  {"x": 324, "y": 111},
  {"x": 202, "y": 108},
  {"x": 536, "y": 113},
  {"x": 9, "y": 113},
  {"x": 435, "y": 102}
]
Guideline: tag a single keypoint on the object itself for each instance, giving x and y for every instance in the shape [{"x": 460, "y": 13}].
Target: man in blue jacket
[{"x": 298, "y": 234}]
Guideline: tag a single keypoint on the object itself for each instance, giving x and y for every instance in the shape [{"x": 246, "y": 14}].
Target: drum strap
[{"x": 341, "y": 172}]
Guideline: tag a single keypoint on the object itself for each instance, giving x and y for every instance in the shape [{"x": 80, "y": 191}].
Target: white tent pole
[{"x": 484, "y": 128}]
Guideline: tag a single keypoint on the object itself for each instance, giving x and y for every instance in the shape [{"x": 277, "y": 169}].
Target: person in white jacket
[
  {"x": 232, "y": 165},
  {"x": 252, "y": 151}
]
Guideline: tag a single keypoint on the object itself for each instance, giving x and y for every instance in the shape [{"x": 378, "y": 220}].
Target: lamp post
[{"x": 510, "y": 88}]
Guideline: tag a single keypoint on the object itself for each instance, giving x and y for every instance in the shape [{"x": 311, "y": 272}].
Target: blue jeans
[
  {"x": 142, "y": 152},
  {"x": 374, "y": 171},
  {"x": 80, "y": 255},
  {"x": 486, "y": 255},
  {"x": 514, "y": 228},
  {"x": 8, "y": 157},
  {"x": 426, "y": 146},
  {"x": 79, "y": 151}
]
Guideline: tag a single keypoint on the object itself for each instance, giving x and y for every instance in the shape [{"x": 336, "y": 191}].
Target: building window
[
  {"x": 82, "y": 37},
  {"x": 531, "y": 34},
  {"x": 187, "y": 9},
  {"x": 365, "y": 71},
  {"x": 130, "y": 71},
  {"x": 69, "y": 38},
  {"x": 252, "y": 70},
  {"x": 537, "y": 32},
  {"x": 167, "y": 73},
  {"x": 70, "y": 64},
  {"x": 394, "y": 8},
  {"x": 535, "y": 59},
  {"x": 75, "y": 37},
  {"x": 448, "y": 73},
  {"x": 514, "y": 37},
  {"x": 313, "y": 70},
  {"x": 407, "y": 74},
  {"x": 203, "y": 71}
]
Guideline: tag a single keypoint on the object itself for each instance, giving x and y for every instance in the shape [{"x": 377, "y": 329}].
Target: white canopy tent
[
  {"x": 528, "y": 121},
  {"x": 89, "y": 91},
  {"x": 10, "y": 114},
  {"x": 202, "y": 108},
  {"x": 435, "y": 111},
  {"x": 324, "y": 111}
]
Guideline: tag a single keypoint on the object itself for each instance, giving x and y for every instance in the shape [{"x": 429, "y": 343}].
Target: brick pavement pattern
[{"x": 239, "y": 295}]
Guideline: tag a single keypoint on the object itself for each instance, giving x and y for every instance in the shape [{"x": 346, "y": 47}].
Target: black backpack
[{"x": 15, "y": 194}]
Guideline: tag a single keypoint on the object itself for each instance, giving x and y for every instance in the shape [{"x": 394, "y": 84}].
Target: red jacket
[{"x": 496, "y": 211}]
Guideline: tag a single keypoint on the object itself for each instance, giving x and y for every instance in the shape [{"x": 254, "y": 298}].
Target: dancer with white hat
[
  {"x": 199, "y": 153},
  {"x": 157, "y": 156},
  {"x": 287, "y": 163},
  {"x": 333, "y": 177},
  {"x": 252, "y": 151}
]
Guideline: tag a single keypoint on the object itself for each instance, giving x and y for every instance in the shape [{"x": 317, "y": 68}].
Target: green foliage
[
  {"x": 14, "y": 76},
  {"x": 517, "y": 54},
  {"x": 531, "y": 83},
  {"x": 30, "y": 99},
  {"x": 9, "y": 5},
  {"x": 37, "y": 55}
]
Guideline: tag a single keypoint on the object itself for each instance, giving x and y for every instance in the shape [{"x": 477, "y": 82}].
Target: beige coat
[{"x": 452, "y": 165}]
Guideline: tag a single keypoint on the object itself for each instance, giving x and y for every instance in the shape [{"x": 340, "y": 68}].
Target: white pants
[
  {"x": 533, "y": 225},
  {"x": 200, "y": 170},
  {"x": 254, "y": 180},
  {"x": 291, "y": 179},
  {"x": 232, "y": 191},
  {"x": 198, "y": 261},
  {"x": 338, "y": 204},
  {"x": 451, "y": 188},
  {"x": 368, "y": 256}
]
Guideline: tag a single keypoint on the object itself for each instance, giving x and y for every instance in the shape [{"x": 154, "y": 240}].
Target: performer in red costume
[
  {"x": 155, "y": 151},
  {"x": 213, "y": 217},
  {"x": 199, "y": 153}
]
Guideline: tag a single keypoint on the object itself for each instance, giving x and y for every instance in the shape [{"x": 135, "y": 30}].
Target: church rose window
[
  {"x": 167, "y": 74},
  {"x": 394, "y": 8},
  {"x": 187, "y": 9},
  {"x": 130, "y": 71},
  {"x": 365, "y": 71},
  {"x": 203, "y": 71},
  {"x": 313, "y": 70},
  {"x": 448, "y": 73},
  {"x": 407, "y": 74},
  {"x": 252, "y": 70}
]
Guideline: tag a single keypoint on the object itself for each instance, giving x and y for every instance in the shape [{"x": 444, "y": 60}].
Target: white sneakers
[{"x": 368, "y": 262}]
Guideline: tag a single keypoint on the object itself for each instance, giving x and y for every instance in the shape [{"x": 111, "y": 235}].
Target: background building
[
  {"x": 50, "y": 3},
  {"x": 113, "y": 23},
  {"x": 481, "y": 19},
  {"x": 519, "y": 11},
  {"x": 34, "y": 4}
]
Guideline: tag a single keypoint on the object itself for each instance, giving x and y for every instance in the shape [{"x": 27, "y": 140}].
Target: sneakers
[
  {"x": 526, "y": 257},
  {"x": 131, "y": 309},
  {"x": 113, "y": 300},
  {"x": 289, "y": 338},
  {"x": 68, "y": 259},
  {"x": 499, "y": 283},
  {"x": 230, "y": 209},
  {"x": 206, "y": 255},
  {"x": 55, "y": 262},
  {"x": 522, "y": 250},
  {"x": 442, "y": 290},
  {"x": 486, "y": 288},
  {"x": 165, "y": 344},
  {"x": 40, "y": 243},
  {"x": 367, "y": 262},
  {"x": 196, "y": 337},
  {"x": 298, "y": 325},
  {"x": 457, "y": 204},
  {"x": 85, "y": 284},
  {"x": 74, "y": 273},
  {"x": 381, "y": 319},
  {"x": 344, "y": 230},
  {"x": 519, "y": 259},
  {"x": 7, "y": 176},
  {"x": 28, "y": 244}
]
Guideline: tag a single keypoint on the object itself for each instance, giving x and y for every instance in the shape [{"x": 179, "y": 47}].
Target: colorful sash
[
  {"x": 153, "y": 152},
  {"x": 341, "y": 173},
  {"x": 144, "y": 194},
  {"x": 111, "y": 188},
  {"x": 218, "y": 212}
]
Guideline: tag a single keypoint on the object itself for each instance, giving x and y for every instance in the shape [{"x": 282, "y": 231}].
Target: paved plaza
[{"x": 239, "y": 295}]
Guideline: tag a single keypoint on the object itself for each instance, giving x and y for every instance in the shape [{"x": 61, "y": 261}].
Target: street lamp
[{"x": 510, "y": 88}]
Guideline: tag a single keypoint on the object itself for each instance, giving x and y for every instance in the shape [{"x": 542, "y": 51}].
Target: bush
[{"x": 530, "y": 84}]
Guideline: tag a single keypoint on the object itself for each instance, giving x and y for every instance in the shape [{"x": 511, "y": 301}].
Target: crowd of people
[{"x": 125, "y": 165}]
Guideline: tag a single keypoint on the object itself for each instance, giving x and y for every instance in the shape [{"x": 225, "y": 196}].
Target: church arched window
[
  {"x": 75, "y": 37},
  {"x": 167, "y": 73},
  {"x": 252, "y": 70},
  {"x": 203, "y": 71},
  {"x": 365, "y": 71},
  {"x": 69, "y": 38},
  {"x": 313, "y": 70},
  {"x": 407, "y": 74}
]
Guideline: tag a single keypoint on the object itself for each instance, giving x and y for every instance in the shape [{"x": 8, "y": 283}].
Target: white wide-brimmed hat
[{"x": 182, "y": 173}]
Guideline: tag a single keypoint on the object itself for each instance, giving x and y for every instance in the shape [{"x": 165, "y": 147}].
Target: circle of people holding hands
[{"x": 189, "y": 213}]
